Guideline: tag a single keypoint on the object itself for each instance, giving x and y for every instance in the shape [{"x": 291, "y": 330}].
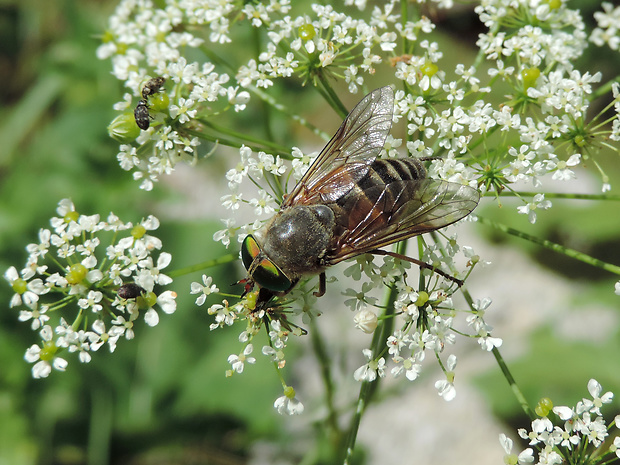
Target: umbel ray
[{"x": 349, "y": 203}]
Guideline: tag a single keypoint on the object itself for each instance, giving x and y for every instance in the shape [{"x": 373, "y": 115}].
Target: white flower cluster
[
  {"x": 608, "y": 30},
  {"x": 424, "y": 319},
  {"x": 278, "y": 331},
  {"x": 254, "y": 168},
  {"x": 325, "y": 43},
  {"x": 565, "y": 436},
  {"x": 143, "y": 40},
  {"x": 79, "y": 300}
]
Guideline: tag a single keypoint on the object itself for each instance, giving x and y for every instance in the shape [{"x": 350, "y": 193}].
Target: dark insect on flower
[
  {"x": 349, "y": 203},
  {"x": 130, "y": 291},
  {"x": 152, "y": 86},
  {"x": 142, "y": 116}
]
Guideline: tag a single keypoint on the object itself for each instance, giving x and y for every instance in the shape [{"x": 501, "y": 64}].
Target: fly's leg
[
  {"x": 421, "y": 264},
  {"x": 322, "y": 285}
]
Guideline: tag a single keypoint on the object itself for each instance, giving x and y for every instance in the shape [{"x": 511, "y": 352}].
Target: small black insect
[
  {"x": 130, "y": 291},
  {"x": 152, "y": 86},
  {"x": 141, "y": 114}
]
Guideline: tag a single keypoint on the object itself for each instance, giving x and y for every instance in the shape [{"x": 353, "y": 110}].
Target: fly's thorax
[{"x": 297, "y": 238}]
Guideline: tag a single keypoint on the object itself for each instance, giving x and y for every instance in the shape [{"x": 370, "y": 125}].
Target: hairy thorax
[{"x": 297, "y": 238}]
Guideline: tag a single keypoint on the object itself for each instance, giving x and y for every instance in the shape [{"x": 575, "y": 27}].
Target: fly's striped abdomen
[
  {"x": 387, "y": 171},
  {"x": 376, "y": 196},
  {"x": 367, "y": 190}
]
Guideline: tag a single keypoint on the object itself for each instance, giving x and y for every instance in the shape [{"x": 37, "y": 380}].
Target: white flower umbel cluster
[
  {"x": 568, "y": 434},
  {"x": 245, "y": 313},
  {"x": 608, "y": 30},
  {"x": 80, "y": 294},
  {"x": 424, "y": 321}
]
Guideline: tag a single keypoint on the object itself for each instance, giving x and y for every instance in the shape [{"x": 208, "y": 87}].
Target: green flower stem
[
  {"x": 264, "y": 96},
  {"x": 281, "y": 108},
  {"x": 203, "y": 266},
  {"x": 404, "y": 17},
  {"x": 604, "y": 89},
  {"x": 322, "y": 356},
  {"x": 254, "y": 142},
  {"x": 331, "y": 97},
  {"x": 555, "y": 195},
  {"x": 229, "y": 142},
  {"x": 553, "y": 246},
  {"x": 365, "y": 391},
  {"x": 265, "y": 109},
  {"x": 513, "y": 385},
  {"x": 101, "y": 425},
  {"x": 379, "y": 339},
  {"x": 502, "y": 365}
]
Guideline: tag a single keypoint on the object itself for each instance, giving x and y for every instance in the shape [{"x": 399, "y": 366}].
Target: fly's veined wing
[
  {"x": 358, "y": 141},
  {"x": 391, "y": 212}
]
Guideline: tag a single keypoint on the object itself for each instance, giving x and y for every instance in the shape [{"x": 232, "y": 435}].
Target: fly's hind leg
[
  {"x": 322, "y": 285},
  {"x": 420, "y": 263}
]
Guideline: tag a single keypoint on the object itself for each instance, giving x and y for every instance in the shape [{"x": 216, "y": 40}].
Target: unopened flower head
[{"x": 80, "y": 292}]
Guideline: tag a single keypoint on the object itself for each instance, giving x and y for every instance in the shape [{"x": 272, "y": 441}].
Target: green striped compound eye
[
  {"x": 263, "y": 271},
  {"x": 249, "y": 251}
]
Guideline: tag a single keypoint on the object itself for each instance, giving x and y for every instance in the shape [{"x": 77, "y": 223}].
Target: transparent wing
[
  {"x": 357, "y": 143},
  {"x": 391, "y": 212}
]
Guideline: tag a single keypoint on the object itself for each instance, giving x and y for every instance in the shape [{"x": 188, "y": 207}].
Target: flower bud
[
  {"x": 159, "y": 102},
  {"x": 48, "y": 351},
  {"x": 138, "y": 231},
  {"x": 77, "y": 273},
  {"x": 429, "y": 69},
  {"x": 366, "y": 320},
  {"x": 422, "y": 298},
  {"x": 20, "y": 285},
  {"x": 123, "y": 128},
  {"x": 306, "y": 32},
  {"x": 529, "y": 75},
  {"x": 543, "y": 407},
  {"x": 146, "y": 300}
]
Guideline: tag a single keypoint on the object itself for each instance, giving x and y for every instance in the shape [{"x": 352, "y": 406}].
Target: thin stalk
[
  {"x": 480, "y": 56},
  {"x": 513, "y": 385},
  {"x": 553, "y": 246},
  {"x": 203, "y": 266},
  {"x": 355, "y": 422},
  {"x": 232, "y": 143},
  {"x": 605, "y": 88},
  {"x": 555, "y": 195},
  {"x": 332, "y": 98},
  {"x": 266, "y": 109},
  {"x": 502, "y": 365},
  {"x": 404, "y": 16},
  {"x": 368, "y": 388},
  {"x": 268, "y": 142},
  {"x": 322, "y": 356},
  {"x": 245, "y": 137}
]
